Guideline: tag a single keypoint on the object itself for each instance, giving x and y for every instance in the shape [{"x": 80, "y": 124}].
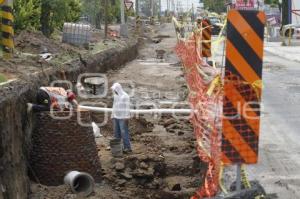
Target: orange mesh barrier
[
  {"x": 206, "y": 119},
  {"x": 232, "y": 138}
]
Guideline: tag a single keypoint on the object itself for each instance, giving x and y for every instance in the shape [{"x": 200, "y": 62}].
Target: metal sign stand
[
  {"x": 238, "y": 178},
  {"x": 241, "y": 191}
]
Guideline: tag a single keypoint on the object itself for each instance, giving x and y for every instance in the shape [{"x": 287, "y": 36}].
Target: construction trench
[
  {"x": 191, "y": 131},
  {"x": 164, "y": 162}
]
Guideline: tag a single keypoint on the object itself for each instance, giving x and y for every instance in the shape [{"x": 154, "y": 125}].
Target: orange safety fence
[
  {"x": 226, "y": 115},
  {"x": 208, "y": 110}
]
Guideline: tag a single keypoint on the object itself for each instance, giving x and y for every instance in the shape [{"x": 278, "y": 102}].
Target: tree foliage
[
  {"x": 94, "y": 10},
  {"x": 48, "y": 15},
  {"x": 215, "y": 5},
  {"x": 55, "y": 12},
  {"x": 272, "y": 2},
  {"x": 27, "y": 14},
  {"x": 45, "y": 15},
  {"x": 114, "y": 12}
]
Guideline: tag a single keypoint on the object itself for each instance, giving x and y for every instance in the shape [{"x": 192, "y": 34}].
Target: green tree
[
  {"x": 215, "y": 5},
  {"x": 92, "y": 9},
  {"x": 27, "y": 14},
  {"x": 55, "y": 12},
  {"x": 114, "y": 12},
  {"x": 272, "y": 2},
  {"x": 95, "y": 9}
]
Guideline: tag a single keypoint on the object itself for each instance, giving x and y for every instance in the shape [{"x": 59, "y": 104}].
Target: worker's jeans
[{"x": 122, "y": 132}]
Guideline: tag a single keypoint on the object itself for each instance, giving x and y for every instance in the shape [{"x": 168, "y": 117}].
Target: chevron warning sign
[
  {"x": 7, "y": 30},
  {"x": 206, "y": 37},
  {"x": 242, "y": 86}
]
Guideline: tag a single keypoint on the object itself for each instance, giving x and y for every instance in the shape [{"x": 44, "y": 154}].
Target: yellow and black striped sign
[
  {"x": 206, "y": 38},
  {"x": 7, "y": 30},
  {"x": 244, "y": 59}
]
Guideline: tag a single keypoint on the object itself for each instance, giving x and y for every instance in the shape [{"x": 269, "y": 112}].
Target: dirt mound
[
  {"x": 136, "y": 126},
  {"x": 26, "y": 58},
  {"x": 35, "y": 42},
  {"x": 153, "y": 169},
  {"x": 39, "y": 191}
]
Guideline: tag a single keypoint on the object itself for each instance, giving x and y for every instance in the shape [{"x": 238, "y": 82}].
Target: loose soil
[{"x": 30, "y": 44}]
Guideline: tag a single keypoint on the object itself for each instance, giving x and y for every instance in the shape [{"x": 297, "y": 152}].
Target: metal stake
[{"x": 238, "y": 178}]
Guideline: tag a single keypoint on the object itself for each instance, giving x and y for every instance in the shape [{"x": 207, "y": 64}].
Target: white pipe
[
  {"x": 141, "y": 111},
  {"x": 80, "y": 183}
]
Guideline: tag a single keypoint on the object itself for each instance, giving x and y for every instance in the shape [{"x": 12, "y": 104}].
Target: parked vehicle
[
  {"x": 291, "y": 34},
  {"x": 216, "y": 25}
]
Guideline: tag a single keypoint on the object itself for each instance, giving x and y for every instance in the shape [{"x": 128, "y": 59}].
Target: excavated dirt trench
[{"x": 164, "y": 163}]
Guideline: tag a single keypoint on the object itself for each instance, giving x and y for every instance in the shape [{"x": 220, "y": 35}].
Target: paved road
[{"x": 278, "y": 168}]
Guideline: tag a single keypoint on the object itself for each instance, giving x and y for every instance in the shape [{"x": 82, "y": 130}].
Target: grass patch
[{"x": 2, "y": 78}]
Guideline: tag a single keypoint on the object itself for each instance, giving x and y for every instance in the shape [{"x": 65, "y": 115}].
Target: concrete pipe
[{"x": 80, "y": 182}]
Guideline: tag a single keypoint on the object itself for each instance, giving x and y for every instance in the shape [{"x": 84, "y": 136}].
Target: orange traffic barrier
[
  {"x": 241, "y": 105},
  {"x": 206, "y": 38}
]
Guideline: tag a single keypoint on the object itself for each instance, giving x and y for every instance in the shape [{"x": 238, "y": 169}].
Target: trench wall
[{"x": 16, "y": 126}]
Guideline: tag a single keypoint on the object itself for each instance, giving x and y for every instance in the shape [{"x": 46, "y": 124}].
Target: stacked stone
[{"x": 59, "y": 146}]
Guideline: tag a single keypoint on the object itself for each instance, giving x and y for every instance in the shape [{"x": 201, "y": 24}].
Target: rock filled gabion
[{"x": 59, "y": 146}]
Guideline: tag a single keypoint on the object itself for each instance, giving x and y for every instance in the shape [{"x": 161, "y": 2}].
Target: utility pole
[
  {"x": 159, "y": 10},
  {"x": 137, "y": 7},
  {"x": 193, "y": 13},
  {"x": 187, "y": 5},
  {"x": 151, "y": 8},
  {"x": 286, "y": 12},
  {"x": 106, "y": 17},
  {"x": 173, "y": 6},
  {"x": 122, "y": 12},
  {"x": 123, "y": 26}
]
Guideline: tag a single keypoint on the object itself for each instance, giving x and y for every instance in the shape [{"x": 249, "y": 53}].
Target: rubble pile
[{"x": 156, "y": 168}]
